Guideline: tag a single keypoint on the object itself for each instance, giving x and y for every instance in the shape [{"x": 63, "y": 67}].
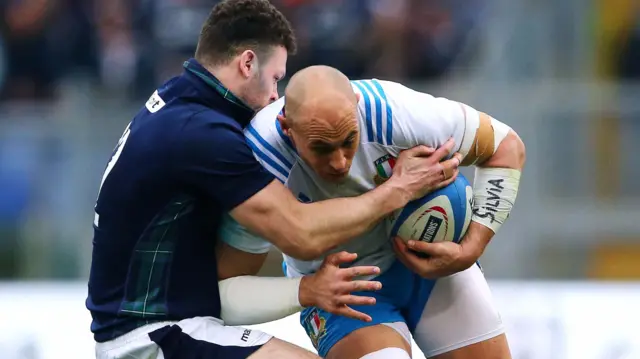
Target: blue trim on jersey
[
  {"x": 263, "y": 156},
  {"x": 367, "y": 107},
  {"x": 270, "y": 148},
  {"x": 389, "y": 111},
  {"x": 284, "y": 137},
  {"x": 378, "y": 103}
]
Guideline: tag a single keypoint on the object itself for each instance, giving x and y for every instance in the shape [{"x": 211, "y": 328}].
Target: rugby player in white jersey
[{"x": 332, "y": 138}]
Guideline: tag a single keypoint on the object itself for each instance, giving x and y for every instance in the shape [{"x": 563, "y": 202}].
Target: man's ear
[
  {"x": 284, "y": 124},
  {"x": 248, "y": 63}
]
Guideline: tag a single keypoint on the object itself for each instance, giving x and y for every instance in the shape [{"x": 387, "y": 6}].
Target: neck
[{"x": 226, "y": 76}]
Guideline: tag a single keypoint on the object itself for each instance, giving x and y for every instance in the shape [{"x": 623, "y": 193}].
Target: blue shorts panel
[{"x": 401, "y": 299}]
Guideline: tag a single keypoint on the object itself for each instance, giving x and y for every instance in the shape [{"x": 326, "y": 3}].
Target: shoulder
[
  {"x": 375, "y": 111},
  {"x": 265, "y": 119},
  {"x": 269, "y": 143},
  {"x": 264, "y": 129},
  {"x": 386, "y": 109}
]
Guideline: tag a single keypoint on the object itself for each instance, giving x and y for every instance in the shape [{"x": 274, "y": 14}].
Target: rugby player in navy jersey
[{"x": 164, "y": 283}]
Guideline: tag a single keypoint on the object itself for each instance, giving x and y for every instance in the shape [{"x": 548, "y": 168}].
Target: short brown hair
[{"x": 236, "y": 25}]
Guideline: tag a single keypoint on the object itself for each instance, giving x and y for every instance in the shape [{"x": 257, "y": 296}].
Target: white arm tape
[
  {"x": 500, "y": 131},
  {"x": 494, "y": 192},
  {"x": 248, "y": 300}
]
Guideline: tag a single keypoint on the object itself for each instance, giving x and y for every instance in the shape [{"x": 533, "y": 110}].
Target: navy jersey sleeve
[{"x": 213, "y": 156}]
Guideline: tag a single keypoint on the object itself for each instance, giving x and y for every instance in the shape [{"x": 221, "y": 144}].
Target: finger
[
  {"x": 356, "y": 300},
  {"x": 447, "y": 172},
  {"x": 400, "y": 244},
  {"x": 450, "y": 165},
  {"x": 361, "y": 286},
  {"x": 448, "y": 181},
  {"x": 349, "y": 273},
  {"x": 409, "y": 259},
  {"x": 339, "y": 258},
  {"x": 444, "y": 150},
  {"x": 432, "y": 249},
  {"x": 401, "y": 251},
  {"x": 421, "y": 151},
  {"x": 458, "y": 156},
  {"x": 351, "y": 313}
]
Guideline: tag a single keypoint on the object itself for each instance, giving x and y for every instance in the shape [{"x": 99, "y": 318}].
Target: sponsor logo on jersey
[
  {"x": 315, "y": 325},
  {"x": 155, "y": 103},
  {"x": 384, "y": 168}
]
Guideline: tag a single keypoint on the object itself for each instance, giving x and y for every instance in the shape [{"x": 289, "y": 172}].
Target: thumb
[{"x": 339, "y": 258}]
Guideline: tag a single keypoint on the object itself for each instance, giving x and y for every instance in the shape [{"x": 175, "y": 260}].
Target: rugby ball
[{"x": 442, "y": 215}]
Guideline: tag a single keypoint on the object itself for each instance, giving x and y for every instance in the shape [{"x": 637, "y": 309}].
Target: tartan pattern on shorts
[{"x": 146, "y": 290}]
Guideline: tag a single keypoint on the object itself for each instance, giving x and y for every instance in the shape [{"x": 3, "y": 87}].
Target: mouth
[{"x": 340, "y": 174}]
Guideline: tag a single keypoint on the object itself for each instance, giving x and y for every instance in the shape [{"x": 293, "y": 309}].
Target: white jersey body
[{"x": 392, "y": 118}]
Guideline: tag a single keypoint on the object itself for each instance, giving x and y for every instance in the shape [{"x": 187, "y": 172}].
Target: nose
[
  {"x": 274, "y": 95},
  {"x": 338, "y": 161}
]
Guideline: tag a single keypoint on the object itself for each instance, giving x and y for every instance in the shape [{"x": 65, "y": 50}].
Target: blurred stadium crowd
[
  {"x": 73, "y": 71},
  {"x": 133, "y": 44}
]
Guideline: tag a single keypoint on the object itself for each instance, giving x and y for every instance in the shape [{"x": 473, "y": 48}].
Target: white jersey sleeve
[
  {"x": 403, "y": 118},
  {"x": 274, "y": 151}
]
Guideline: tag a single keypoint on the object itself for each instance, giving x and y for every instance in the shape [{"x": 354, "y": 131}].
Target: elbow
[
  {"x": 519, "y": 151},
  {"x": 510, "y": 154}
]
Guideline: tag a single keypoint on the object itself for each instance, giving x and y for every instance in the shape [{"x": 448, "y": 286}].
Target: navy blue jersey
[{"x": 180, "y": 164}]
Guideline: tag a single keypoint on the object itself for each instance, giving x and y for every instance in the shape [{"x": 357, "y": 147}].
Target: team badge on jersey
[
  {"x": 384, "y": 168},
  {"x": 315, "y": 325}
]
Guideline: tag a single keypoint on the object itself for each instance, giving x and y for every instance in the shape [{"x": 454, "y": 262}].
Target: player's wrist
[
  {"x": 394, "y": 195},
  {"x": 305, "y": 291},
  {"x": 474, "y": 242}
]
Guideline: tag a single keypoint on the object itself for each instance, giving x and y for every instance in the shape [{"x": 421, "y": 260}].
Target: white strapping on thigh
[
  {"x": 388, "y": 353},
  {"x": 402, "y": 329},
  {"x": 460, "y": 312}
]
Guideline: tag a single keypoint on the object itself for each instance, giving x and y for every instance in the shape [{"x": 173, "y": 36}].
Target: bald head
[
  {"x": 319, "y": 92},
  {"x": 321, "y": 120}
]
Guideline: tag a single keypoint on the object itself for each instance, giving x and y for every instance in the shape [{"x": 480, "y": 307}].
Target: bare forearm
[
  {"x": 306, "y": 231},
  {"x": 330, "y": 223}
]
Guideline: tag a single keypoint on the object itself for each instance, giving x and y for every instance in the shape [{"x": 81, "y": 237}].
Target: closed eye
[{"x": 322, "y": 149}]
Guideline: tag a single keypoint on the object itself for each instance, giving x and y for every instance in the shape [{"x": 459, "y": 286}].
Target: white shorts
[
  {"x": 200, "y": 337},
  {"x": 460, "y": 312}
]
